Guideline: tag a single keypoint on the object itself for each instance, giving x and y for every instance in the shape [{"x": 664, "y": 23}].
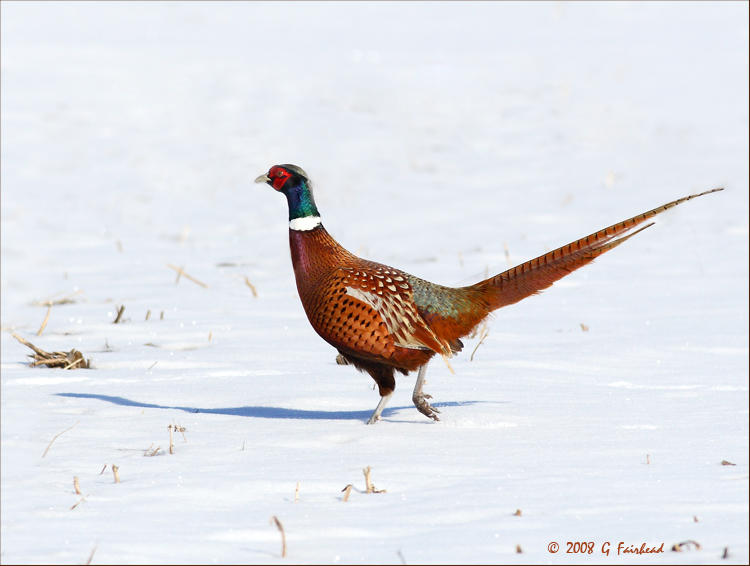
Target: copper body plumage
[{"x": 383, "y": 320}]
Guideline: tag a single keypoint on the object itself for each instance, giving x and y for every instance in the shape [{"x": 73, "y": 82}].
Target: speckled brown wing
[{"x": 368, "y": 311}]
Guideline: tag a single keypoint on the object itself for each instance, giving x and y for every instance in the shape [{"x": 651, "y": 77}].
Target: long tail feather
[{"x": 539, "y": 273}]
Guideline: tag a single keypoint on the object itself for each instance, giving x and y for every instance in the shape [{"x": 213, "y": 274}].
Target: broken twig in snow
[
  {"x": 66, "y": 360},
  {"x": 172, "y": 430},
  {"x": 368, "y": 483},
  {"x": 686, "y": 544},
  {"x": 77, "y": 503},
  {"x": 120, "y": 310},
  {"x": 279, "y": 526},
  {"x": 91, "y": 556},
  {"x": 347, "y": 492}
]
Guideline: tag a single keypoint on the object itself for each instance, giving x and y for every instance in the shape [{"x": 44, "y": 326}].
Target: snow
[{"x": 437, "y": 136}]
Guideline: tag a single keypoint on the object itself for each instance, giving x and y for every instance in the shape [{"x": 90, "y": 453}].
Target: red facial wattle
[{"x": 278, "y": 176}]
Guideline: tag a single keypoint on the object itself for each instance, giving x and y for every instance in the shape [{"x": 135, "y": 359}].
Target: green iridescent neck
[{"x": 300, "y": 200}]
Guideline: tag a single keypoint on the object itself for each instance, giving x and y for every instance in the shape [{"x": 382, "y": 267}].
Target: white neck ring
[{"x": 305, "y": 223}]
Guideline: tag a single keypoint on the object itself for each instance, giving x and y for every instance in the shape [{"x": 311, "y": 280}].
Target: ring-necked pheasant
[{"x": 382, "y": 319}]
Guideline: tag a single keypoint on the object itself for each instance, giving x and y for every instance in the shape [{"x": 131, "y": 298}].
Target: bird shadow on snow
[{"x": 262, "y": 412}]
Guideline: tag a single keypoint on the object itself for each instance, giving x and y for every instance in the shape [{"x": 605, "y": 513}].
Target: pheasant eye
[{"x": 280, "y": 173}]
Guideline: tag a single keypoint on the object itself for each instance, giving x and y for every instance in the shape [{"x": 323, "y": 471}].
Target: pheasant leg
[
  {"x": 420, "y": 399},
  {"x": 379, "y": 409}
]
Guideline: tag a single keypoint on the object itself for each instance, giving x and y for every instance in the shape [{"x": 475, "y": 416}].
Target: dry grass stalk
[
  {"x": 152, "y": 365},
  {"x": 66, "y": 360},
  {"x": 38, "y": 351},
  {"x": 727, "y": 463},
  {"x": 161, "y": 315},
  {"x": 148, "y": 314},
  {"x": 296, "y": 493},
  {"x": 279, "y": 526},
  {"x": 76, "y": 485},
  {"x": 519, "y": 550},
  {"x": 347, "y": 492},
  {"x": 120, "y": 310},
  {"x": 210, "y": 335},
  {"x": 517, "y": 513},
  {"x": 686, "y": 544},
  {"x": 151, "y": 451},
  {"x": 584, "y": 327},
  {"x": 448, "y": 364},
  {"x": 181, "y": 272},
  {"x": 725, "y": 554},
  {"x": 401, "y": 556},
  {"x": 103, "y": 469},
  {"x": 172, "y": 430},
  {"x": 368, "y": 483},
  {"x": 648, "y": 459},
  {"x": 59, "y": 434},
  {"x": 77, "y": 503},
  {"x": 483, "y": 334},
  {"x": 507, "y": 252},
  {"x": 477, "y": 330},
  {"x": 77, "y": 360},
  {"x": 253, "y": 290},
  {"x": 62, "y": 301},
  {"x": 341, "y": 360},
  {"x": 45, "y": 321},
  {"x": 116, "y": 472},
  {"x": 695, "y": 519},
  {"x": 91, "y": 556}
]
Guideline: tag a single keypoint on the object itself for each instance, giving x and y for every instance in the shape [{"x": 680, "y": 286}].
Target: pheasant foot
[
  {"x": 420, "y": 399},
  {"x": 420, "y": 402}
]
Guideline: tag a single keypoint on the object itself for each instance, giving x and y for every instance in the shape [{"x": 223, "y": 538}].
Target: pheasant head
[{"x": 293, "y": 182}]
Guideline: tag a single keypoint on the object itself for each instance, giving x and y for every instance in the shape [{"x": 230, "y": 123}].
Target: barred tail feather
[{"x": 539, "y": 273}]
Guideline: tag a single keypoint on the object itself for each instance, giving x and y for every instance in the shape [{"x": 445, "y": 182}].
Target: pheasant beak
[{"x": 263, "y": 179}]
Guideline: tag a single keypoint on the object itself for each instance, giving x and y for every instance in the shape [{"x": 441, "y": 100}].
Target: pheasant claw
[{"x": 425, "y": 408}]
